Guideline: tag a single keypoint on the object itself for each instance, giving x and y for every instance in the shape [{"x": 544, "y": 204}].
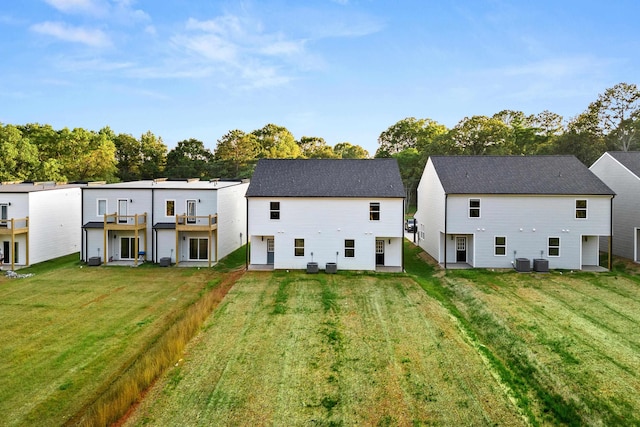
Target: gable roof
[
  {"x": 553, "y": 175},
  {"x": 628, "y": 159},
  {"x": 326, "y": 178}
]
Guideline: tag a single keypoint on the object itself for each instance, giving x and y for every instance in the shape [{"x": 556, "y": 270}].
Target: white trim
[
  {"x": 479, "y": 208},
  {"x": 585, "y": 209},
  {"x": 106, "y": 207},
  {"x": 549, "y": 246},
  {"x": 495, "y": 245}
]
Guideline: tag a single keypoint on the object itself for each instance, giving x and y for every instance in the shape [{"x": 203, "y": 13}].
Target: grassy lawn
[
  {"x": 68, "y": 332},
  {"x": 346, "y": 349}
]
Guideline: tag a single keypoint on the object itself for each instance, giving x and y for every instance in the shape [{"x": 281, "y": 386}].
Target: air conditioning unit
[
  {"x": 523, "y": 265},
  {"x": 541, "y": 265}
]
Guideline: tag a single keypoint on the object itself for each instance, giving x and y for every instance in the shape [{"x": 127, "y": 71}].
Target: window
[
  {"x": 169, "y": 208},
  {"x": 4, "y": 214},
  {"x": 474, "y": 208},
  {"x": 554, "y": 246},
  {"x": 102, "y": 207},
  {"x": 298, "y": 249},
  {"x": 581, "y": 209},
  {"x": 374, "y": 211},
  {"x": 349, "y": 248},
  {"x": 500, "y": 245},
  {"x": 122, "y": 211},
  {"x": 191, "y": 211},
  {"x": 274, "y": 208}
]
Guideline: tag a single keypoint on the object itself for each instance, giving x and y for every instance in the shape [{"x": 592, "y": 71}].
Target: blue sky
[{"x": 344, "y": 70}]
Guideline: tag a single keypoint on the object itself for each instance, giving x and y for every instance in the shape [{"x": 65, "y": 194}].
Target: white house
[
  {"x": 38, "y": 222},
  {"x": 160, "y": 220},
  {"x": 621, "y": 171},
  {"x": 491, "y": 211},
  {"x": 348, "y": 212}
]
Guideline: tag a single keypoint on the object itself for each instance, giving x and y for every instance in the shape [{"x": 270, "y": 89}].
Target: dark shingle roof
[
  {"x": 517, "y": 175},
  {"x": 629, "y": 159},
  {"x": 326, "y": 178}
]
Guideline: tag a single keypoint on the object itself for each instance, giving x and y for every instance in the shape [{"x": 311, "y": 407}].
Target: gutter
[{"x": 446, "y": 198}]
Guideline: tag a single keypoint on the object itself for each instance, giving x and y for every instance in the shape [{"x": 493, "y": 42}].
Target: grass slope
[{"x": 346, "y": 349}]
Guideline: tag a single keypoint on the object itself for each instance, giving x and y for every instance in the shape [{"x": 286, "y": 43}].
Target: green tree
[
  {"x": 19, "y": 160},
  {"x": 346, "y": 150},
  {"x": 411, "y": 164},
  {"x": 314, "y": 147},
  {"x": 276, "y": 142},
  {"x": 128, "y": 159},
  {"x": 87, "y": 155},
  {"x": 480, "y": 135},
  {"x": 153, "y": 155},
  {"x": 189, "y": 159},
  {"x": 45, "y": 139},
  {"x": 236, "y": 154},
  {"x": 408, "y": 133}
]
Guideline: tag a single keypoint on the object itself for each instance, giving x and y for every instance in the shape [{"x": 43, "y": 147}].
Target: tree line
[{"x": 35, "y": 152}]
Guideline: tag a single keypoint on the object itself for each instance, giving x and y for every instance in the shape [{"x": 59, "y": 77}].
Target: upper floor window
[
  {"x": 349, "y": 248},
  {"x": 4, "y": 214},
  {"x": 500, "y": 245},
  {"x": 581, "y": 209},
  {"x": 298, "y": 247},
  {"x": 274, "y": 210},
  {"x": 102, "y": 207},
  {"x": 554, "y": 246},
  {"x": 374, "y": 211},
  {"x": 169, "y": 208},
  {"x": 191, "y": 211},
  {"x": 474, "y": 208}
]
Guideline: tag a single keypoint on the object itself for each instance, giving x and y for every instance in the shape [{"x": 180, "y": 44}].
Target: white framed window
[
  {"x": 198, "y": 248},
  {"x": 191, "y": 211},
  {"x": 274, "y": 210},
  {"x": 374, "y": 211},
  {"x": 474, "y": 208},
  {"x": 349, "y": 248},
  {"x": 101, "y": 207},
  {"x": 500, "y": 246},
  {"x": 122, "y": 211},
  {"x": 581, "y": 209},
  {"x": 298, "y": 247},
  {"x": 169, "y": 208},
  {"x": 553, "y": 248},
  {"x": 4, "y": 214}
]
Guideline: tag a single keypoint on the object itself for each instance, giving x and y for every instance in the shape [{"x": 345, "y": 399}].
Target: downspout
[
  {"x": 610, "y": 261},
  {"x": 446, "y": 197},
  {"x": 404, "y": 201},
  {"x": 246, "y": 248},
  {"x": 82, "y": 248},
  {"x": 153, "y": 240}
]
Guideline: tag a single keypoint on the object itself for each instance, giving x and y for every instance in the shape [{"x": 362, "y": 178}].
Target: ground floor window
[
  {"x": 500, "y": 245},
  {"x": 554, "y": 246},
  {"x": 298, "y": 247},
  {"x": 349, "y": 248},
  {"x": 198, "y": 248}
]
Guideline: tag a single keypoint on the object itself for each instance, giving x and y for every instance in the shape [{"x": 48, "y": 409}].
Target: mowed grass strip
[
  {"x": 346, "y": 349},
  {"x": 68, "y": 332},
  {"x": 571, "y": 338}
]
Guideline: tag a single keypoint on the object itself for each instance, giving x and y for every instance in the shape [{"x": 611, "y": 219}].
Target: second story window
[
  {"x": 122, "y": 211},
  {"x": 474, "y": 208},
  {"x": 581, "y": 209},
  {"x": 102, "y": 207},
  {"x": 274, "y": 210},
  {"x": 4, "y": 214},
  {"x": 374, "y": 211},
  {"x": 191, "y": 211},
  {"x": 169, "y": 208}
]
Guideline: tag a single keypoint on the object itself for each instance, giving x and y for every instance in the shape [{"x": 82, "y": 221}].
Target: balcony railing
[
  {"x": 196, "y": 221},
  {"x": 128, "y": 221},
  {"x": 14, "y": 225}
]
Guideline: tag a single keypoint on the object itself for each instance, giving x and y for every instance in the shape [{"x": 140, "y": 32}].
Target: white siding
[
  {"x": 232, "y": 219},
  {"x": 55, "y": 223},
  {"x": 626, "y": 204},
  {"x": 430, "y": 213},
  {"x": 527, "y": 222},
  {"x": 325, "y": 224}
]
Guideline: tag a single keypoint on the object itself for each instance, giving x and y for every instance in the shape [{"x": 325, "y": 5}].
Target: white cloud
[
  {"x": 93, "y": 7},
  {"x": 60, "y": 30}
]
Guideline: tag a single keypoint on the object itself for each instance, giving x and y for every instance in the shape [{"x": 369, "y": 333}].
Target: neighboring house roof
[
  {"x": 191, "y": 184},
  {"x": 326, "y": 178},
  {"x": 94, "y": 224},
  {"x": 32, "y": 187},
  {"x": 629, "y": 159},
  {"x": 553, "y": 175}
]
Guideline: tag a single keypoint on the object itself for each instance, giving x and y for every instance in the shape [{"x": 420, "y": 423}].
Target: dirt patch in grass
[{"x": 340, "y": 350}]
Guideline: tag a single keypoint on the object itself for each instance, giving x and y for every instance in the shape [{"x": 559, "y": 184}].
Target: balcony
[
  {"x": 125, "y": 222},
  {"x": 14, "y": 226},
  {"x": 196, "y": 223}
]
